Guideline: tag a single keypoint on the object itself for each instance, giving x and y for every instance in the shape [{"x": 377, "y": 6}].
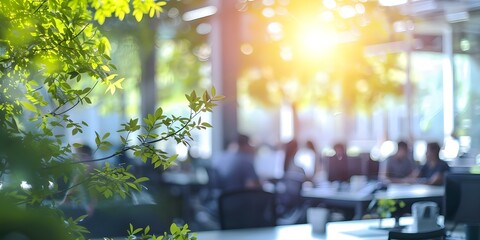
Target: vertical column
[
  {"x": 448, "y": 81},
  {"x": 408, "y": 83},
  {"x": 225, "y": 42},
  {"x": 148, "y": 59},
  {"x": 408, "y": 69}
]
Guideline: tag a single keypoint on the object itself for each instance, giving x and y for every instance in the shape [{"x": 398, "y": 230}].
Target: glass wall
[
  {"x": 366, "y": 130},
  {"x": 467, "y": 93},
  {"x": 427, "y": 79}
]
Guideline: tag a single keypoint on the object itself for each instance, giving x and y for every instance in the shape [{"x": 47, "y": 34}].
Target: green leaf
[
  {"x": 141, "y": 179},
  {"x": 132, "y": 185},
  {"x": 77, "y": 145},
  {"x": 138, "y": 15},
  {"x": 97, "y": 139},
  {"x": 174, "y": 228},
  {"x": 105, "y": 136},
  {"x": 80, "y": 218},
  {"x": 137, "y": 231},
  {"x": 131, "y": 228},
  {"x": 158, "y": 113},
  {"x": 73, "y": 74},
  {"x": 213, "y": 91},
  {"x": 29, "y": 106}
]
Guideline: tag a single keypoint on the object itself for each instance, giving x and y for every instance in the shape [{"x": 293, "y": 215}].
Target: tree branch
[
  {"x": 38, "y": 8},
  {"x": 59, "y": 44},
  {"x": 54, "y": 113},
  {"x": 127, "y": 148}
]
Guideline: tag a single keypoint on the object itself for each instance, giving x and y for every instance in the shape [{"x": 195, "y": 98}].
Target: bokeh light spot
[
  {"x": 275, "y": 29},
  {"x": 246, "y": 49},
  {"x": 268, "y": 12}
]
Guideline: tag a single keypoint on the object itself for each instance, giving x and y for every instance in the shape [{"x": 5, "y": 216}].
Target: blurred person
[
  {"x": 397, "y": 167},
  {"x": 310, "y": 159},
  {"x": 319, "y": 174},
  {"x": 78, "y": 192},
  {"x": 338, "y": 165},
  {"x": 290, "y": 186},
  {"x": 339, "y": 169},
  {"x": 235, "y": 169},
  {"x": 434, "y": 169}
]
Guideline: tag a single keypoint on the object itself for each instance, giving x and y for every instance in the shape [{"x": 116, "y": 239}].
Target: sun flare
[{"x": 316, "y": 40}]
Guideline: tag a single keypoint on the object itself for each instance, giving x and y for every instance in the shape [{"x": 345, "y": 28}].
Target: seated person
[
  {"x": 235, "y": 170},
  {"x": 338, "y": 165},
  {"x": 397, "y": 166},
  {"x": 434, "y": 169}
]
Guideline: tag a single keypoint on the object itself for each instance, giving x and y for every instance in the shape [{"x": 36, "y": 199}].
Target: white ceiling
[{"x": 436, "y": 15}]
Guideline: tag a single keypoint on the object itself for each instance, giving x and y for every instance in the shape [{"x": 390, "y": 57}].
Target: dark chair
[
  {"x": 247, "y": 209},
  {"x": 435, "y": 234}
]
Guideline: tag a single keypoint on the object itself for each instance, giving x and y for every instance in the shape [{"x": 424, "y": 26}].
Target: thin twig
[
  {"x": 38, "y": 8},
  {"x": 54, "y": 113},
  {"x": 59, "y": 44}
]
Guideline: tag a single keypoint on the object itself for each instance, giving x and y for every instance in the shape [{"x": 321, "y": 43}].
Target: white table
[
  {"x": 287, "y": 232},
  {"x": 364, "y": 229},
  {"x": 346, "y": 230},
  {"x": 357, "y": 200},
  {"x": 333, "y": 194},
  {"x": 410, "y": 191}
]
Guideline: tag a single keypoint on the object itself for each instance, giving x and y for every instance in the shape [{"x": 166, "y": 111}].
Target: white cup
[
  {"x": 317, "y": 217},
  {"x": 357, "y": 182}
]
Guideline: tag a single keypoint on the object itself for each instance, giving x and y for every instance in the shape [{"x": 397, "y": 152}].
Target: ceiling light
[
  {"x": 199, "y": 13},
  {"x": 391, "y": 3}
]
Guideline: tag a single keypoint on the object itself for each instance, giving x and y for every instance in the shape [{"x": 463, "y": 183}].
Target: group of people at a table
[
  {"x": 236, "y": 171},
  {"x": 236, "y": 168},
  {"x": 401, "y": 168}
]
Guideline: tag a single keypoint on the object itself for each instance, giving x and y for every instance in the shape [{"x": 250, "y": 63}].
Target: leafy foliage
[
  {"x": 385, "y": 207},
  {"x": 176, "y": 232},
  {"x": 52, "y": 56}
]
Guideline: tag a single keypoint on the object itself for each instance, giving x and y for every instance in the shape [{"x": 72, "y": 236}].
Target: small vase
[
  {"x": 380, "y": 220},
  {"x": 397, "y": 222}
]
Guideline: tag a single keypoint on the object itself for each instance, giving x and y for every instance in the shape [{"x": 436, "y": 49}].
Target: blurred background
[{"x": 360, "y": 72}]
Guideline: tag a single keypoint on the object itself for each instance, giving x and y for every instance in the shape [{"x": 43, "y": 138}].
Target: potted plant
[{"x": 387, "y": 208}]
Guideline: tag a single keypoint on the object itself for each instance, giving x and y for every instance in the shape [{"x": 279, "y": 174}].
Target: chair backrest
[
  {"x": 247, "y": 209},
  {"x": 435, "y": 234}
]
